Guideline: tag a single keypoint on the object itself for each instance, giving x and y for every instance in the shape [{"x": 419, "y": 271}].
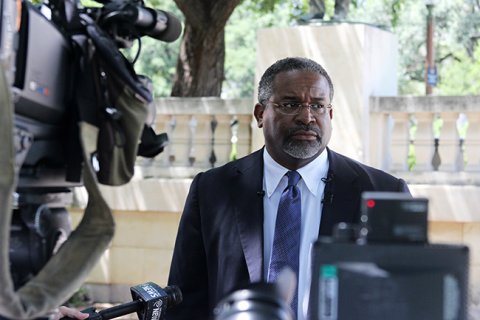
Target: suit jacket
[{"x": 219, "y": 246}]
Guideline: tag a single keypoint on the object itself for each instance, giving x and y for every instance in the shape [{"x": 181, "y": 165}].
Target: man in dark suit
[{"x": 226, "y": 234}]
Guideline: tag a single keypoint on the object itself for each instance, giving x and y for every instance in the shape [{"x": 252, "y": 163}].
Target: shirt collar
[{"x": 311, "y": 173}]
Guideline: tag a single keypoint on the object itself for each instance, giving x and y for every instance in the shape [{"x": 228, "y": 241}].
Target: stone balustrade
[
  {"x": 426, "y": 134},
  {"x": 412, "y": 136},
  {"x": 203, "y": 133}
]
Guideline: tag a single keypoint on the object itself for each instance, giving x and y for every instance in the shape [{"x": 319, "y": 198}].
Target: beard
[{"x": 302, "y": 149}]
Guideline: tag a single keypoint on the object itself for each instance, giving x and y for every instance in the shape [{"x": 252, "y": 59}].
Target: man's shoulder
[{"x": 369, "y": 177}]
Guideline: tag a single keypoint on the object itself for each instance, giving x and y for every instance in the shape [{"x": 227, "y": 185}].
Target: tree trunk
[{"x": 200, "y": 65}]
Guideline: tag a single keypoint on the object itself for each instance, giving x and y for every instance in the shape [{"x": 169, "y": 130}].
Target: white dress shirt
[{"x": 311, "y": 188}]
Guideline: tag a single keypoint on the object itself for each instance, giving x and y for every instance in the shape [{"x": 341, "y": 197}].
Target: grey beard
[{"x": 302, "y": 149}]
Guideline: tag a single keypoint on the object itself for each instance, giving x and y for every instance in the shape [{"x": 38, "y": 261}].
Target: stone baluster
[
  {"x": 172, "y": 124},
  {"x": 234, "y": 138},
  {"x": 213, "y": 127},
  {"x": 462, "y": 127},
  {"x": 387, "y": 143},
  {"x": 192, "y": 126},
  {"x": 437, "y": 129},
  {"x": 412, "y": 132}
]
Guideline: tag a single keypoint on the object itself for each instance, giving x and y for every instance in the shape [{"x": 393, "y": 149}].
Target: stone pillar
[{"x": 361, "y": 60}]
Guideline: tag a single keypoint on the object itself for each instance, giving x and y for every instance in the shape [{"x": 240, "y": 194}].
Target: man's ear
[
  {"x": 258, "y": 113},
  {"x": 331, "y": 113}
]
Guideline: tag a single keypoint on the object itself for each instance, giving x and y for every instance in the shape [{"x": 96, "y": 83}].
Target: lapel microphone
[
  {"x": 261, "y": 193},
  {"x": 328, "y": 178}
]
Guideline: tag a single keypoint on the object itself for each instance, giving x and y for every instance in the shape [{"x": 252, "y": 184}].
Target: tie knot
[{"x": 293, "y": 178}]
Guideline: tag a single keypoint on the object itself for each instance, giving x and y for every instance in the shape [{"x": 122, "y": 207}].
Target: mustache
[{"x": 306, "y": 127}]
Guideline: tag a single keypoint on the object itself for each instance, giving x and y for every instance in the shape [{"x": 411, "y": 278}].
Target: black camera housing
[
  {"x": 45, "y": 85},
  {"x": 393, "y": 217},
  {"x": 384, "y": 268}
]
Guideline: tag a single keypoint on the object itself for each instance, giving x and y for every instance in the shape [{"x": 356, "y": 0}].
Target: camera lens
[{"x": 259, "y": 301}]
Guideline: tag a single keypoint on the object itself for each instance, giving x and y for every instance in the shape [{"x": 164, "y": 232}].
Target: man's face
[{"x": 293, "y": 140}]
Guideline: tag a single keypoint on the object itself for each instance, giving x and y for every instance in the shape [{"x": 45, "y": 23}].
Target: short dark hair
[{"x": 265, "y": 86}]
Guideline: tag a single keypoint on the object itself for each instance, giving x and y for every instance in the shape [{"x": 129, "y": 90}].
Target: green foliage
[
  {"x": 457, "y": 23},
  {"x": 457, "y": 55},
  {"x": 90, "y": 3},
  {"x": 329, "y": 9},
  {"x": 264, "y": 6},
  {"x": 461, "y": 75},
  {"x": 157, "y": 60},
  {"x": 240, "y": 39},
  {"x": 411, "y": 157},
  {"x": 81, "y": 298}
]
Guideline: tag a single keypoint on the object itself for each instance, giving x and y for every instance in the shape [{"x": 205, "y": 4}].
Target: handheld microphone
[{"x": 150, "y": 302}]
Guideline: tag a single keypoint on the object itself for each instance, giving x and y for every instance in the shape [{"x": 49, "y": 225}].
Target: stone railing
[
  {"x": 203, "y": 133},
  {"x": 413, "y": 136},
  {"x": 416, "y": 135}
]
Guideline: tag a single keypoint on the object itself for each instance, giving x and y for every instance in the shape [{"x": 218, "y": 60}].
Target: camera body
[
  {"x": 38, "y": 68},
  {"x": 42, "y": 59},
  {"x": 42, "y": 91},
  {"x": 388, "y": 270}
]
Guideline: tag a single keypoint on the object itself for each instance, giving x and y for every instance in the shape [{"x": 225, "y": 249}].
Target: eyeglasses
[{"x": 291, "y": 108}]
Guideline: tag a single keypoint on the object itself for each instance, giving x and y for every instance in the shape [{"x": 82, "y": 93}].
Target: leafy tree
[
  {"x": 455, "y": 34},
  {"x": 202, "y": 71},
  {"x": 200, "y": 65},
  {"x": 458, "y": 52},
  {"x": 461, "y": 75},
  {"x": 240, "y": 39}
]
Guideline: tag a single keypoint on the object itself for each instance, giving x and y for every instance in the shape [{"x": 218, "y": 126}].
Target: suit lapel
[
  {"x": 344, "y": 189},
  {"x": 249, "y": 212}
]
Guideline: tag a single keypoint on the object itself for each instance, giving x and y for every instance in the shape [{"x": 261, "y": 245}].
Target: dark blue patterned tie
[{"x": 286, "y": 240}]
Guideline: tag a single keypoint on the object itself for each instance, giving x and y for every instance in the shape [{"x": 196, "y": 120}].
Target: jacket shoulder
[{"x": 379, "y": 179}]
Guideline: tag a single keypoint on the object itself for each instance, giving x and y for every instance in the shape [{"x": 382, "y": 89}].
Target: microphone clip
[{"x": 328, "y": 178}]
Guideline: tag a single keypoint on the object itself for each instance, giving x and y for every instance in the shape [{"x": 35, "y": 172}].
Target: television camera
[
  {"x": 385, "y": 267},
  {"x": 66, "y": 79}
]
